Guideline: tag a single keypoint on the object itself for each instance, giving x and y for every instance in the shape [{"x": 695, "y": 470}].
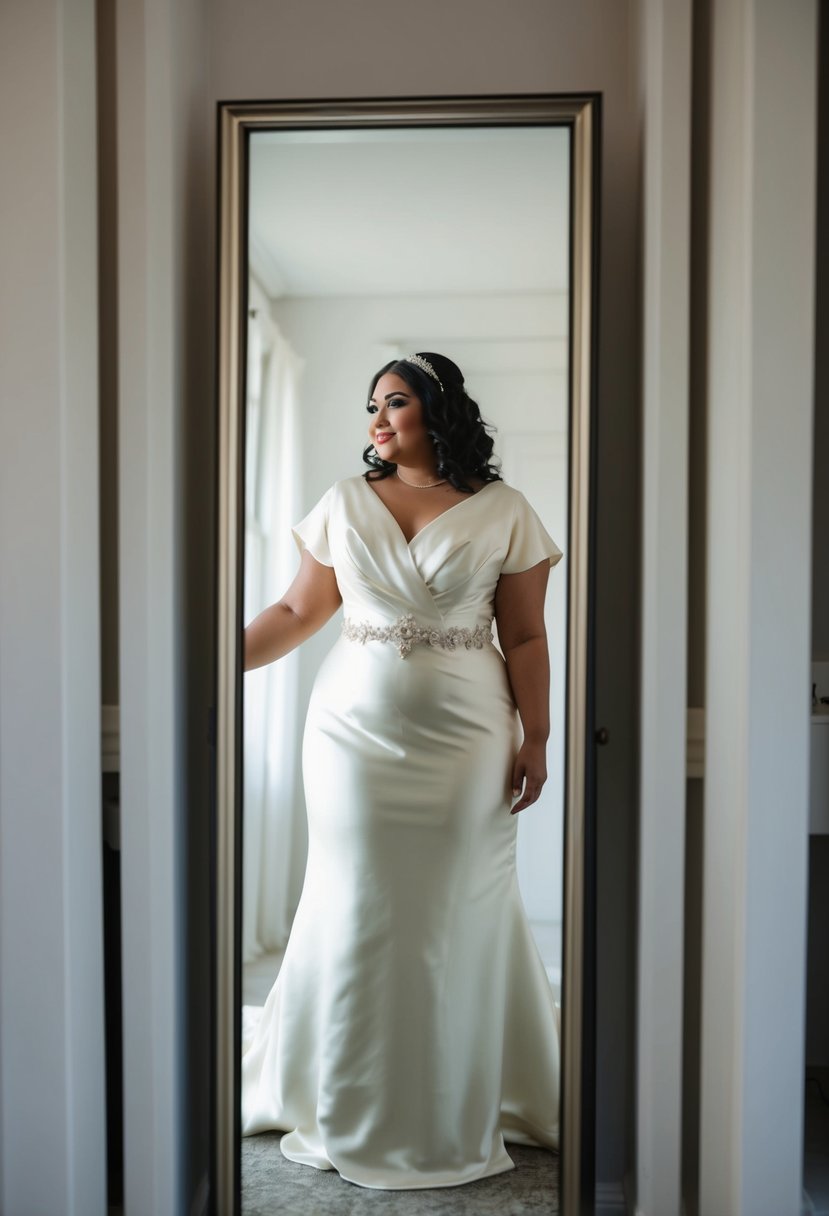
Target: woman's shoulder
[
  {"x": 344, "y": 485},
  {"x": 513, "y": 503},
  {"x": 345, "y": 492},
  {"x": 506, "y": 491}
]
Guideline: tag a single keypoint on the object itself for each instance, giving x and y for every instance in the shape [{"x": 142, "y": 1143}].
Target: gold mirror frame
[{"x": 580, "y": 113}]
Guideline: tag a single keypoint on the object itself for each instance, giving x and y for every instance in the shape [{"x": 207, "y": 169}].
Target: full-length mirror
[{"x": 403, "y": 765}]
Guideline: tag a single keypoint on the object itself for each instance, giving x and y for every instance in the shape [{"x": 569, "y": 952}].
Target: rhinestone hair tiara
[{"x": 424, "y": 365}]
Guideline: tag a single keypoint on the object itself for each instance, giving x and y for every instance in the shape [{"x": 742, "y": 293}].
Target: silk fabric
[{"x": 412, "y": 1029}]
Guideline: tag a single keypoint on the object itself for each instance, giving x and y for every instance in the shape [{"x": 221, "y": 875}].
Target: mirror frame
[{"x": 581, "y": 113}]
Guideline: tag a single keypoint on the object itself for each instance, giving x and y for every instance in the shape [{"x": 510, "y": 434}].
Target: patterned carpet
[{"x": 272, "y": 1184}]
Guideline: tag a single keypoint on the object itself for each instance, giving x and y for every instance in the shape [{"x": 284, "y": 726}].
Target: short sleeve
[
  {"x": 529, "y": 541},
  {"x": 311, "y": 533}
]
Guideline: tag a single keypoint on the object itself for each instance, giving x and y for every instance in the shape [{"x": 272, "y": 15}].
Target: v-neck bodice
[
  {"x": 461, "y": 502},
  {"x": 445, "y": 575}
]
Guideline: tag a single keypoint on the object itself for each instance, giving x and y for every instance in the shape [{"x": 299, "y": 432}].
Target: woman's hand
[
  {"x": 519, "y": 612},
  {"x": 531, "y": 767}
]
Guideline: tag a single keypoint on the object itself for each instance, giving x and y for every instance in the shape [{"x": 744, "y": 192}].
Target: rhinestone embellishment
[
  {"x": 406, "y": 633},
  {"x": 424, "y": 365}
]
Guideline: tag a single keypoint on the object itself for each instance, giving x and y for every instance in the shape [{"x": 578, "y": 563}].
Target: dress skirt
[{"x": 412, "y": 1028}]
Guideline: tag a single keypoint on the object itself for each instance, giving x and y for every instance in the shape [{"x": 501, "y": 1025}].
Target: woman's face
[{"x": 396, "y": 423}]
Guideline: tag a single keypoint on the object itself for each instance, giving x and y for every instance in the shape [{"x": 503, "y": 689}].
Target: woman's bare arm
[
  {"x": 310, "y": 601},
  {"x": 519, "y": 614}
]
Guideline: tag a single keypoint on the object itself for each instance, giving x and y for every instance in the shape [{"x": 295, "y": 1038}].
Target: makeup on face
[{"x": 388, "y": 412}]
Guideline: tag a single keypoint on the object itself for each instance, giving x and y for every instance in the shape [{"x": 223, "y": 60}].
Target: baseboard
[{"x": 201, "y": 1195}]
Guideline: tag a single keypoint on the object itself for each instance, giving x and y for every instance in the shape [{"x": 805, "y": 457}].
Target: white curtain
[{"x": 273, "y": 798}]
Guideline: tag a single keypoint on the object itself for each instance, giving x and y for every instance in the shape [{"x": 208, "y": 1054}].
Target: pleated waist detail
[{"x": 407, "y": 632}]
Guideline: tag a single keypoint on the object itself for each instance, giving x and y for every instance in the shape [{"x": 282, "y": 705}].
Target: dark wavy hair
[{"x": 453, "y": 420}]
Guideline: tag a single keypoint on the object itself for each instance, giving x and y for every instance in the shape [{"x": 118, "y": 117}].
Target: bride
[{"x": 411, "y": 1032}]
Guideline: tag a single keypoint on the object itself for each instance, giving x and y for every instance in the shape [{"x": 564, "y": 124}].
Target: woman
[{"x": 412, "y": 1029}]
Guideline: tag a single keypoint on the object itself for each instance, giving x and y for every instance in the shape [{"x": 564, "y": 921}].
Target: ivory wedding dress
[{"x": 412, "y": 1028}]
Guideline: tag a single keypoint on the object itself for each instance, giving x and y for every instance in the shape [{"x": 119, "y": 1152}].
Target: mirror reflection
[{"x": 406, "y": 482}]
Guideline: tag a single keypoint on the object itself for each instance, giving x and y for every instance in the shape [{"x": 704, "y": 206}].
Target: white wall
[
  {"x": 52, "y": 1097},
  {"x": 666, "y": 106},
  {"x": 750, "y": 293},
  {"x": 164, "y": 191},
  {"x": 820, "y": 500},
  {"x": 760, "y": 345}
]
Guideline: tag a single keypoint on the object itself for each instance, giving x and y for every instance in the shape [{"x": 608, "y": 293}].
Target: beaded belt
[{"x": 406, "y": 633}]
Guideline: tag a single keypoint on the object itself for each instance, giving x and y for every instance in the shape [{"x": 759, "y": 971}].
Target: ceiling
[{"x": 410, "y": 211}]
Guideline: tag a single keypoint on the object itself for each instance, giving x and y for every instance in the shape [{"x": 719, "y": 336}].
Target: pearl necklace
[{"x": 426, "y": 485}]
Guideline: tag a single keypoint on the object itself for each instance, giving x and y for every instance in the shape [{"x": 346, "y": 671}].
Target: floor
[
  {"x": 532, "y": 1187},
  {"x": 271, "y": 1183}
]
